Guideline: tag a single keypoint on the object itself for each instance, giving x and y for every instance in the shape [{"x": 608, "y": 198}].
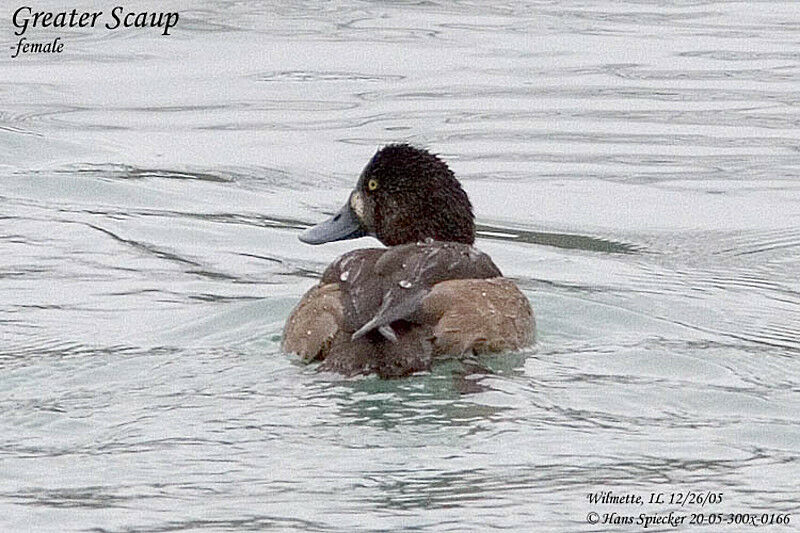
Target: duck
[{"x": 428, "y": 294}]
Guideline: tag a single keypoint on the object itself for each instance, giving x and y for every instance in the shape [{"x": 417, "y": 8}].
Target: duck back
[{"x": 382, "y": 286}]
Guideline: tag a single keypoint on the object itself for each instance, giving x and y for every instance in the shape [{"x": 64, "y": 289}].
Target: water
[{"x": 633, "y": 166}]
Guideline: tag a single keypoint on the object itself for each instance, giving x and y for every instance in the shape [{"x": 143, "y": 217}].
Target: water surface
[{"x": 633, "y": 166}]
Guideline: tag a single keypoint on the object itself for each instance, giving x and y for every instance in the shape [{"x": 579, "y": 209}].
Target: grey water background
[{"x": 633, "y": 165}]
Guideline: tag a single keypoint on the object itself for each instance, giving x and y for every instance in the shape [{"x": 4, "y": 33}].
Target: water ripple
[{"x": 633, "y": 167}]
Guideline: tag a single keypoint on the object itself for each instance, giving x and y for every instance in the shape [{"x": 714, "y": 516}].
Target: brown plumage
[{"x": 392, "y": 311}]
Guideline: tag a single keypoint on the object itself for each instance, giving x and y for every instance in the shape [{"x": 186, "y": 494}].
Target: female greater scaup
[{"x": 391, "y": 311}]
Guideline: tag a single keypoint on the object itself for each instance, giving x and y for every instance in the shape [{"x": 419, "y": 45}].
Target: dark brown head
[{"x": 404, "y": 194}]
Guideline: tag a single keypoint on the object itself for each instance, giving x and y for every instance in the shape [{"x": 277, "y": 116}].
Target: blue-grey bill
[{"x": 341, "y": 226}]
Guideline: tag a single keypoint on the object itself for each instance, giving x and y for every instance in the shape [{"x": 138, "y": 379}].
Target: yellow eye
[{"x": 372, "y": 184}]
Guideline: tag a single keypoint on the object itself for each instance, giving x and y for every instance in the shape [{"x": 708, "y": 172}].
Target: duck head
[{"x": 404, "y": 194}]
